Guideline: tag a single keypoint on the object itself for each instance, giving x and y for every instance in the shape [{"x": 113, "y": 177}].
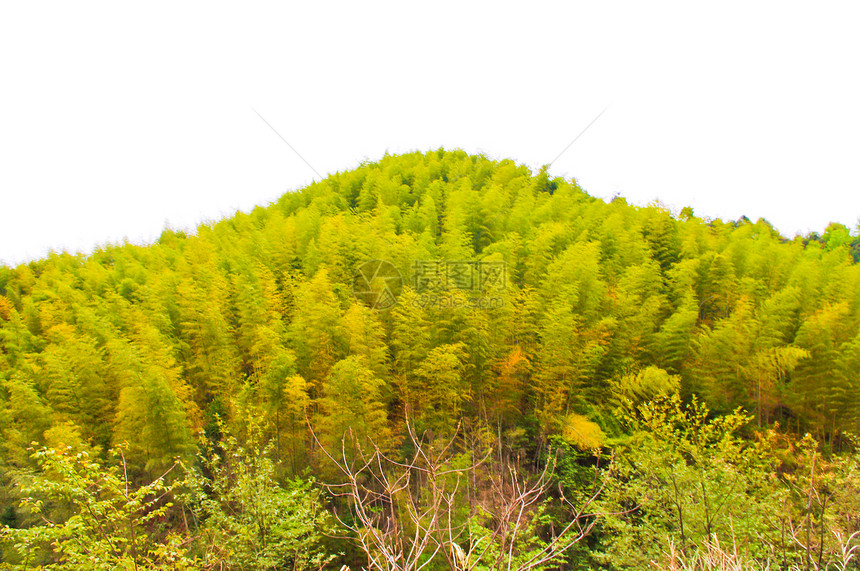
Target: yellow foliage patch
[
  {"x": 5, "y": 308},
  {"x": 582, "y": 433}
]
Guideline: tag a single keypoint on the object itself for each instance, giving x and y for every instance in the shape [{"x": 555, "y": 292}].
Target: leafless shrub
[{"x": 407, "y": 514}]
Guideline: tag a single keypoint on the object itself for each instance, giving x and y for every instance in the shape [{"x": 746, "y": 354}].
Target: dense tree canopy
[{"x": 600, "y": 307}]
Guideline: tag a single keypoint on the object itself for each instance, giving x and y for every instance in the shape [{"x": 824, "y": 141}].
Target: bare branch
[{"x": 406, "y": 511}]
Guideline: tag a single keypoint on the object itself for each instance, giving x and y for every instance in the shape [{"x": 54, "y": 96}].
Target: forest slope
[{"x": 522, "y": 306}]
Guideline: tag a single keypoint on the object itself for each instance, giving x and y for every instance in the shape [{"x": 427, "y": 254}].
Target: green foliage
[
  {"x": 316, "y": 330},
  {"x": 686, "y": 478},
  {"x": 652, "y": 383},
  {"x": 246, "y": 518},
  {"x": 352, "y": 402},
  {"x": 440, "y": 393},
  {"x": 91, "y": 517}
]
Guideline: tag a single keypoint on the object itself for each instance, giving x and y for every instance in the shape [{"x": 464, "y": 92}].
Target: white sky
[{"x": 116, "y": 119}]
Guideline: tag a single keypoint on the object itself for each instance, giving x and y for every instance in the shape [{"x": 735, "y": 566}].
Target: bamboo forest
[{"x": 436, "y": 361}]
